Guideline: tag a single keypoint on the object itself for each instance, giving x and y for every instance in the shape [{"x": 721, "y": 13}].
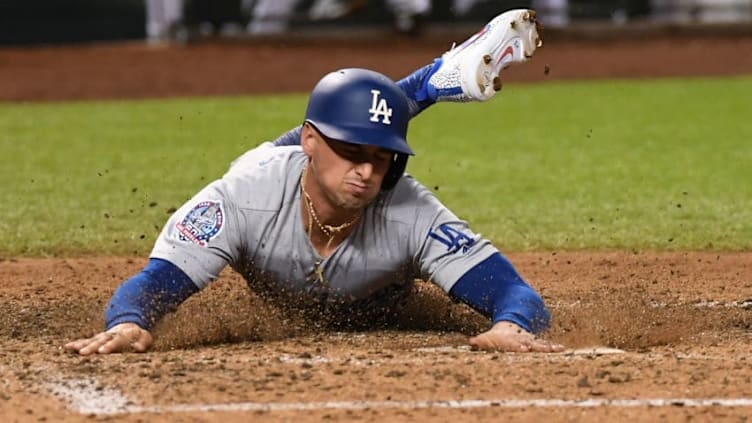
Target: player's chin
[
  {"x": 357, "y": 200},
  {"x": 353, "y": 203}
]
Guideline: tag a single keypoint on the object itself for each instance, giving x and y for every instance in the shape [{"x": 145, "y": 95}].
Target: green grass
[
  {"x": 664, "y": 165},
  {"x": 658, "y": 165}
]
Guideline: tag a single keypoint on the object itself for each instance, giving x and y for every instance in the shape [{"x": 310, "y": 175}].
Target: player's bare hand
[
  {"x": 506, "y": 336},
  {"x": 122, "y": 337}
]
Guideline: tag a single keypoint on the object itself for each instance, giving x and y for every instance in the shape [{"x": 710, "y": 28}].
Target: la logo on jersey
[
  {"x": 379, "y": 108},
  {"x": 452, "y": 238}
]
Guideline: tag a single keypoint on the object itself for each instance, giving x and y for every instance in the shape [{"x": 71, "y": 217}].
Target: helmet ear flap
[{"x": 396, "y": 169}]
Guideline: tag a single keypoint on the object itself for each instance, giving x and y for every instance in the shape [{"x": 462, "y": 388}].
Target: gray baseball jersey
[{"x": 251, "y": 219}]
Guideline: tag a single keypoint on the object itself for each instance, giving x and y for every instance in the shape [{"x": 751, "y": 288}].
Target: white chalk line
[
  {"x": 743, "y": 304},
  {"x": 456, "y": 404},
  {"x": 89, "y": 398},
  {"x": 86, "y": 396}
]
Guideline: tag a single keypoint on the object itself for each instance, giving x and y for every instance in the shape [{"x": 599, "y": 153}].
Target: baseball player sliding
[{"x": 325, "y": 215}]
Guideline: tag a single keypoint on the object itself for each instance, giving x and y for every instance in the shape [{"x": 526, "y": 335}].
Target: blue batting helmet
[{"x": 360, "y": 106}]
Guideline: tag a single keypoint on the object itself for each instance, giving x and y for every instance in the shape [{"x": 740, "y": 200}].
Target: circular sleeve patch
[{"x": 202, "y": 223}]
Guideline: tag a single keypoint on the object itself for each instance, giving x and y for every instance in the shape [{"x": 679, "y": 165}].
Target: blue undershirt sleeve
[
  {"x": 495, "y": 289},
  {"x": 146, "y": 297}
]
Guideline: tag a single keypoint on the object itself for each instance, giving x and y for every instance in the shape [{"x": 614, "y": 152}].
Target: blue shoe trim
[
  {"x": 448, "y": 92},
  {"x": 416, "y": 87},
  {"x": 428, "y": 91}
]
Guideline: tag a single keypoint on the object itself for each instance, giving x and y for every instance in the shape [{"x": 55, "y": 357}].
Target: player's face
[{"x": 349, "y": 175}]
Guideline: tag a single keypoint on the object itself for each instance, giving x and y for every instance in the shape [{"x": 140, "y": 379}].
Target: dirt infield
[{"x": 679, "y": 325}]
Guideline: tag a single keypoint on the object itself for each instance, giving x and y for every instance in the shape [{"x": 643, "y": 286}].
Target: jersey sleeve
[
  {"x": 291, "y": 137},
  {"x": 445, "y": 247},
  {"x": 203, "y": 235}
]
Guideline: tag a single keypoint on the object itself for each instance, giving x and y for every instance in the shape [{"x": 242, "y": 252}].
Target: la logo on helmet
[{"x": 379, "y": 108}]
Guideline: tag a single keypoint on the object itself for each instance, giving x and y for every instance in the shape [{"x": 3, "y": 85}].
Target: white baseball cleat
[{"x": 470, "y": 71}]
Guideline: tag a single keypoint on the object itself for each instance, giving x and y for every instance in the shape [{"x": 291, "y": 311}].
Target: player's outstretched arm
[
  {"x": 138, "y": 304},
  {"x": 120, "y": 338},
  {"x": 494, "y": 288}
]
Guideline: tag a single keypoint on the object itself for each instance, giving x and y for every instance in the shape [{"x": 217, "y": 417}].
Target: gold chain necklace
[{"x": 328, "y": 230}]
